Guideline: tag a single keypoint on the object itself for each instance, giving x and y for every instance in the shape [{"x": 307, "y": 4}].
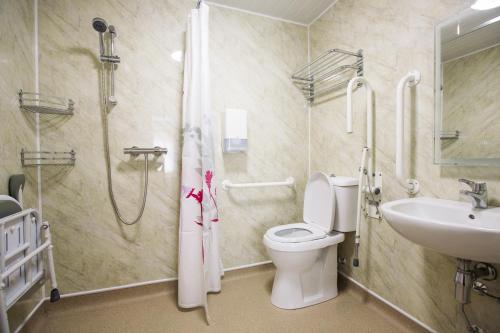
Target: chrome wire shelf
[
  {"x": 38, "y": 103},
  {"x": 327, "y": 73},
  {"x": 449, "y": 135},
  {"x": 35, "y": 158}
]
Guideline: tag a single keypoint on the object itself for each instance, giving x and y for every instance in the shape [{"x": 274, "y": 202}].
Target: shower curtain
[{"x": 200, "y": 267}]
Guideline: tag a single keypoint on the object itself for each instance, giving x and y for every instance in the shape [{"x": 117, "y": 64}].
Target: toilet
[{"x": 305, "y": 254}]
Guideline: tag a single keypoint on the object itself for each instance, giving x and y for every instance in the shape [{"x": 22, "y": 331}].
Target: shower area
[
  {"x": 116, "y": 209},
  {"x": 113, "y": 202},
  {"x": 109, "y": 62}
]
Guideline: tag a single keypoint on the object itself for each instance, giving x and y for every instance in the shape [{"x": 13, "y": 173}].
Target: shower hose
[{"x": 106, "y": 110}]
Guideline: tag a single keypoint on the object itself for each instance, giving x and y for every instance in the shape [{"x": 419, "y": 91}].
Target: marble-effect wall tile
[
  {"x": 92, "y": 248},
  {"x": 252, "y": 59},
  {"x": 396, "y": 36},
  {"x": 17, "y": 128}
]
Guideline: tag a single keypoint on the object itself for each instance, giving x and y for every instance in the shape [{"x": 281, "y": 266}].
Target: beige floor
[{"x": 243, "y": 306}]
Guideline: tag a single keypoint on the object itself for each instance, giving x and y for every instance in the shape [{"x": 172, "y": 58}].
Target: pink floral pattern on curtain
[{"x": 198, "y": 196}]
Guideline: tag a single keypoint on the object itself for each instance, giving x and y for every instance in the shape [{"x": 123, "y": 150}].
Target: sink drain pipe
[{"x": 466, "y": 280}]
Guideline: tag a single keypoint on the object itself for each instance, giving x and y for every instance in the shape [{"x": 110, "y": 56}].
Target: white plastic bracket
[
  {"x": 416, "y": 77},
  {"x": 375, "y": 198},
  {"x": 413, "y": 186}
]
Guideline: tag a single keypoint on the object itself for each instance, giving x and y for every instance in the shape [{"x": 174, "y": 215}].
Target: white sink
[{"x": 449, "y": 227}]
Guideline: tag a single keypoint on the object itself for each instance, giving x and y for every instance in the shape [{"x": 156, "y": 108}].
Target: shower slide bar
[
  {"x": 227, "y": 184},
  {"x": 21, "y": 248}
]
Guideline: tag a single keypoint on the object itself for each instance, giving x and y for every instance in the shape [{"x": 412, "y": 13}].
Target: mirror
[{"x": 467, "y": 89}]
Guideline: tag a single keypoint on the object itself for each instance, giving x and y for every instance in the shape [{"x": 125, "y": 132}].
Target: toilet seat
[
  {"x": 295, "y": 233},
  {"x": 323, "y": 241}
]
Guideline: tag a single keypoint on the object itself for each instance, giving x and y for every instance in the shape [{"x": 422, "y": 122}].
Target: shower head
[{"x": 99, "y": 25}]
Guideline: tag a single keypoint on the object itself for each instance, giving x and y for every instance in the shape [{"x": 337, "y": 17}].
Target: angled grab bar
[
  {"x": 227, "y": 184},
  {"x": 369, "y": 115}
]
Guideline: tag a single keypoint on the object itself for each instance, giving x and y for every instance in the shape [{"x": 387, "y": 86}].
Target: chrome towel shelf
[
  {"x": 227, "y": 184},
  {"x": 329, "y": 72},
  {"x": 35, "y": 158},
  {"x": 38, "y": 103}
]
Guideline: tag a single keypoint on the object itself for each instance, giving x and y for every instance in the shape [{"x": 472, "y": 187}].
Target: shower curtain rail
[{"x": 227, "y": 184}]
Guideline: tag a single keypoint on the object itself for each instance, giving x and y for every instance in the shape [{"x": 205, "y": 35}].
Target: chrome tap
[{"x": 478, "y": 193}]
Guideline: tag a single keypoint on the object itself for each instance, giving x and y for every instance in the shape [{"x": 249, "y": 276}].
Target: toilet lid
[
  {"x": 319, "y": 202},
  {"x": 295, "y": 233}
]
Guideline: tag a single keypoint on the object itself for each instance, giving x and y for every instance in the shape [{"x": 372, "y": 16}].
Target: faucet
[{"x": 478, "y": 193}]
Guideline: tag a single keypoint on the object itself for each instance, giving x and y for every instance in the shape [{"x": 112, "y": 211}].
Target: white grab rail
[
  {"x": 411, "y": 79},
  {"x": 369, "y": 115},
  {"x": 360, "y": 205},
  {"x": 227, "y": 184}
]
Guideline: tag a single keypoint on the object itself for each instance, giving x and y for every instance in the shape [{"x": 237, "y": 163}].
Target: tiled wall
[
  {"x": 17, "y": 128},
  {"x": 396, "y": 36},
  {"x": 251, "y": 59}
]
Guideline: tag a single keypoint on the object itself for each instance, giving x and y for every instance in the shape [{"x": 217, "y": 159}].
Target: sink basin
[{"x": 448, "y": 227}]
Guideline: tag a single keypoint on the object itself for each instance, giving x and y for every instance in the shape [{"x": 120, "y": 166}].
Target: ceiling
[{"x": 298, "y": 11}]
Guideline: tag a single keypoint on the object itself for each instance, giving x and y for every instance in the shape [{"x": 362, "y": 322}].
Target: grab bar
[
  {"x": 227, "y": 184},
  {"x": 29, "y": 223},
  {"x": 369, "y": 116},
  {"x": 411, "y": 80},
  {"x": 27, "y": 258}
]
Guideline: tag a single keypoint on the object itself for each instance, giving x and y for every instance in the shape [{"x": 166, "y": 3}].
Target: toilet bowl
[{"x": 305, "y": 254}]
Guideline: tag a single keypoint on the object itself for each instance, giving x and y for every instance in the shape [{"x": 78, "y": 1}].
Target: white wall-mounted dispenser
[{"x": 235, "y": 138}]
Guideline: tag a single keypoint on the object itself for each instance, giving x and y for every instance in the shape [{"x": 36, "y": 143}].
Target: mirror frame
[{"x": 438, "y": 105}]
